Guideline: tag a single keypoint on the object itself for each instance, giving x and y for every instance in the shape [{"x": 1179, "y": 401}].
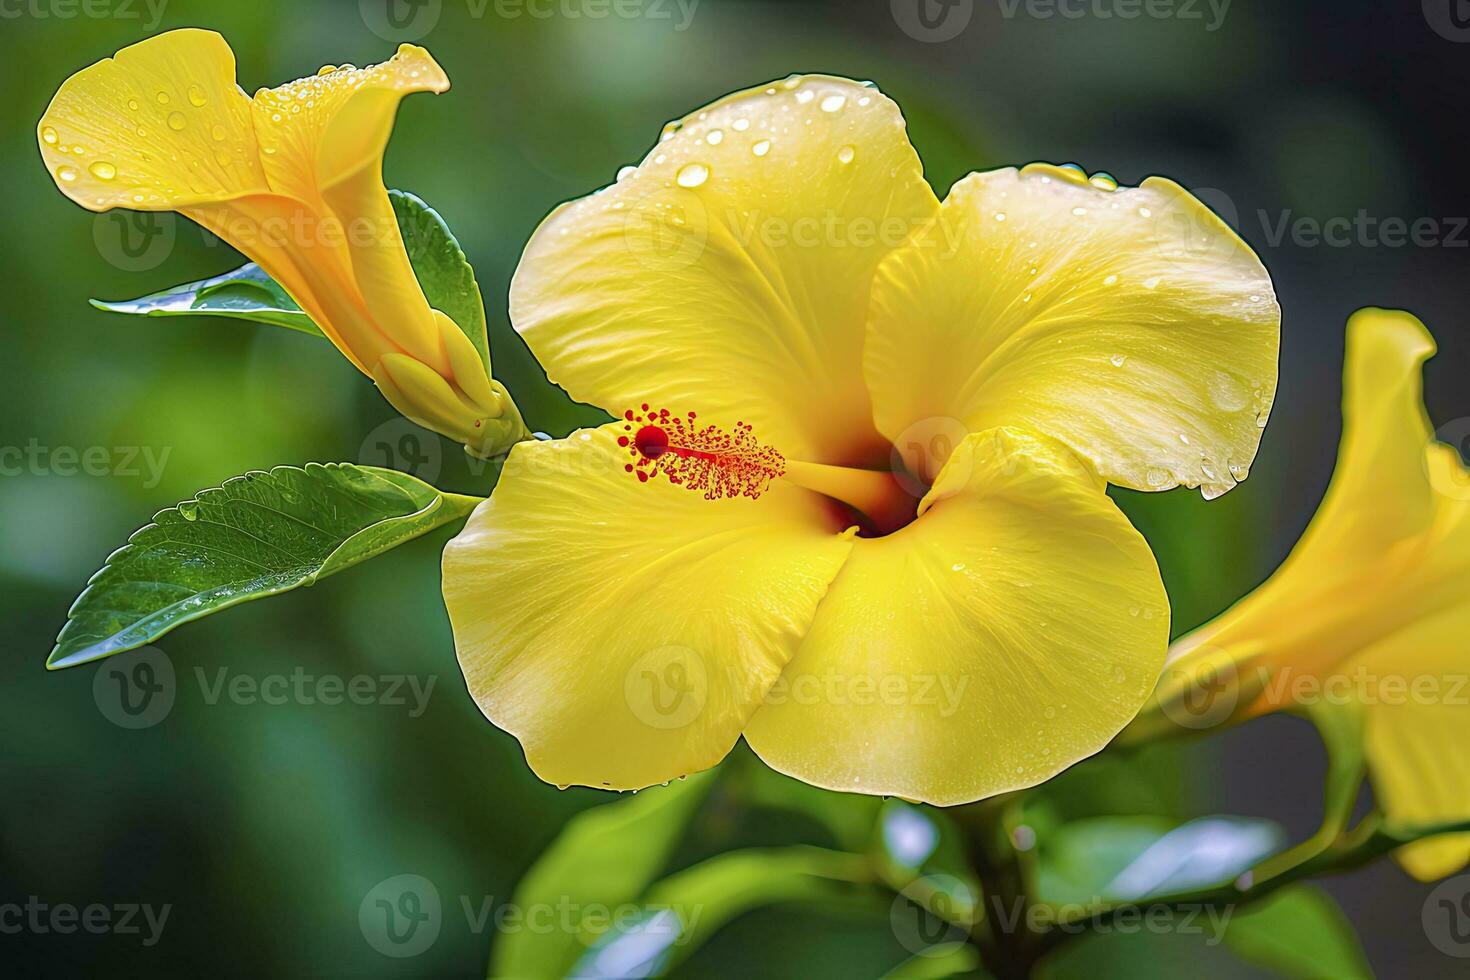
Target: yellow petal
[
  {"x": 625, "y": 631},
  {"x": 729, "y": 273},
  {"x": 1418, "y": 723},
  {"x": 1131, "y": 324},
  {"x": 159, "y": 127},
  {"x": 1380, "y": 492},
  {"x": 323, "y": 140},
  {"x": 1010, "y": 631}
]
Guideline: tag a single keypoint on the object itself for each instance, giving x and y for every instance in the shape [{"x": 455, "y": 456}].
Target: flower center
[{"x": 727, "y": 464}]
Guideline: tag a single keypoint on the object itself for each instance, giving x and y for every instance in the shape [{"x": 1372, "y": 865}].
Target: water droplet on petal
[
  {"x": 1079, "y": 212},
  {"x": 1103, "y": 180},
  {"x": 176, "y": 121},
  {"x": 714, "y": 137},
  {"x": 1000, "y": 216},
  {"x": 196, "y": 97},
  {"x": 846, "y": 154},
  {"x": 833, "y": 102},
  {"x": 49, "y": 135},
  {"x": 1156, "y": 477},
  {"x": 66, "y": 173},
  {"x": 218, "y": 132},
  {"x": 103, "y": 170},
  {"x": 740, "y": 125},
  {"x": 625, "y": 172},
  {"x": 805, "y": 96},
  {"x": 162, "y": 98},
  {"x": 1117, "y": 360},
  {"x": 1110, "y": 280},
  {"x": 1227, "y": 393},
  {"x": 692, "y": 175},
  {"x": 761, "y": 147}
]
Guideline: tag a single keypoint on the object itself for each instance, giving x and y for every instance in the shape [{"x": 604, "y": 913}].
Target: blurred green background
[{"x": 264, "y": 826}]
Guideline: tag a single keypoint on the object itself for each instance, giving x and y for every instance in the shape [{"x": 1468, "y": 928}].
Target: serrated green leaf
[
  {"x": 247, "y": 293},
  {"x": 257, "y": 535},
  {"x": 605, "y": 858}
]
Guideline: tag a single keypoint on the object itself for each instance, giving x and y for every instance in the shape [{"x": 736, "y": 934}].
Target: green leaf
[
  {"x": 257, "y": 535},
  {"x": 1134, "y": 858},
  {"x": 1300, "y": 933},
  {"x": 685, "y": 909},
  {"x": 604, "y": 858},
  {"x": 443, "y": 272},
  {"x": 247, "y": 293}
]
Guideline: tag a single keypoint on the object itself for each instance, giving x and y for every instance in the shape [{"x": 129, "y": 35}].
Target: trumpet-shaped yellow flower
[
  {"x": 1370, "y": 611},
  {"x": 853, "y": 506},
  {"x": 293, "y": 179}
]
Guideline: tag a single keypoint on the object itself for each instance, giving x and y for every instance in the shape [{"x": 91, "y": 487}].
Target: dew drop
[
  {"x": 1110, "y": 280},
  {"x": 625, "y": 172},
  {"x": 196, "y": 97},
  {"x": 162, "y": 98},
  {"x": 1145, "y": 213},
  {"x": 958, "y": 566},
  {"x": 846, "y": 154},
  {"x": 176, "y": 121},
  {"x": 1151, "y": 283},
  {"x": 67, "y": 173},
  {"x": 805, "y": 96},
  {"x": 1079, "y": 212},
  {"x": 1156, "y": 477},
  {"x": 133, "y": 104},
  {"x": 832, "y": 103},
  {"x": 1103, "y": 181},
  {"x": 49, "y": 135},
  {"x": 1000, "y": 216},
  {"x": 218, "y": 132},
  {"x": 692, "y": 175},
  {"x": 1117, "y": 360},
  {"x": 1227, "y": 393},
  {"x": 761, "y": 147},
  {"x": 715, "y": 137},
  {"x": 103, "y": 170},
  {"x": 740, "y": 125}
]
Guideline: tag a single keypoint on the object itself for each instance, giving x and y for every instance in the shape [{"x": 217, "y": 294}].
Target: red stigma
[{"x": 719, "y": 463}]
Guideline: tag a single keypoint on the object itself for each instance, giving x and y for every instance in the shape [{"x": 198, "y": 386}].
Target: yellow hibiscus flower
[
  {"x": 293, "y": 179},
  {"x": 1368, "y": 614},
  {"x": 853, "y": 505}
]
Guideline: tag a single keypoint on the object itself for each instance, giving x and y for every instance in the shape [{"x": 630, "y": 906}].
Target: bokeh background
[{"x": 264, "y": 826}]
